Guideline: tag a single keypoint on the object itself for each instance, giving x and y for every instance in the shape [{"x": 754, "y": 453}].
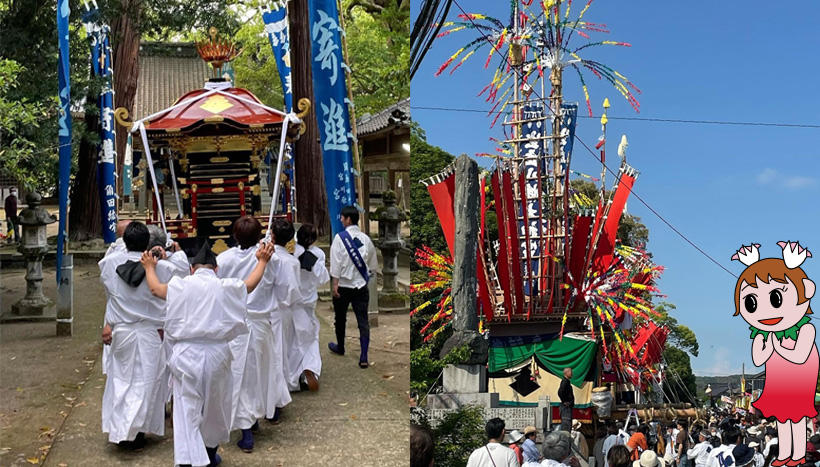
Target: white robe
[
  {"x": 118, "y": 245},
  {"x": 204, "y": 314},
  {"x": 256, "y": 389},
  {"x": 305, "y": 351},
  {"x": 286, "y": 297},
  {"x": 135, "y": 389}
]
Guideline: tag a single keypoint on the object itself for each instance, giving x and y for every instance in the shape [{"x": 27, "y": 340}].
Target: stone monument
[{"x": 35, "y": 305}]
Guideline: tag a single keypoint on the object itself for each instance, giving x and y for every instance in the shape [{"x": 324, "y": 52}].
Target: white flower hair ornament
[
  {"x": 793, "y": 254},
  {"x": 747, "y": 255}
]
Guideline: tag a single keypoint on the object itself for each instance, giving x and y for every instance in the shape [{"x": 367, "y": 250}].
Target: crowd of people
[
  {"x": 725, "y": 440},
  {"x": 225, "y": 338}
]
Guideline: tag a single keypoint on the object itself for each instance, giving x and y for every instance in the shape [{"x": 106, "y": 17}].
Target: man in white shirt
[
  {"x": 722, "y": 456},
  {"x": 134, "y": 395},
  {"x": 493, "y": 454},
  {"x": 352, "y": 261},
  {"x": 256, "y": 389},
  {"x": 305, "y": 361},
  {"x": 700, "y": 452},
  {"x": 611, "y": 440},
  {"x": 204, "y": 314}
]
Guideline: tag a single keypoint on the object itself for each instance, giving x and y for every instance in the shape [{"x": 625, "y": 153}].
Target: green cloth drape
[{"x": 554, "y": 355}]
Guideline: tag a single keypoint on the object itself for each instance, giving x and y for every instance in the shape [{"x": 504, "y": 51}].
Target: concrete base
[
  {"x": 393, "y": 302},
  {"x": 465, "y": 379},
  {"x": 35, "y": 308},
  {"x": 45, "y": 314},
  {"x": 455, "y": 401}
]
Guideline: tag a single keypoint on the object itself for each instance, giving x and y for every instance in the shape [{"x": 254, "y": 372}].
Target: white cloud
[
  {"x": 794, "y": 182},
  {"x": 719, "y": 365},
  {"x": 767, "y": 176}
]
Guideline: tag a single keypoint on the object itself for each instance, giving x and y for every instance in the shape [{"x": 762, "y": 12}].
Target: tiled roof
[
  {"x": 167, "y": 71},
  {"x": 396, "y": 115}
]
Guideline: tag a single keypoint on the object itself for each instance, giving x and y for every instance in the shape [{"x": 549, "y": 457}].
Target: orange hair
[{"x": 772, "y": 269}]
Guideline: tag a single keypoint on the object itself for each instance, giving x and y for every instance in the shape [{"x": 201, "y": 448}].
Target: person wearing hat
[
  {"x": 578, "y": 439},
  {"x": 204, "y": 313},
  {"x": 743, "y": 456},
  {"x": 649, "y": 458},
  {"x": 700, "y": 452},
  {"x": 493, "y": 454},
  {"x": 257, "y": 388},
  {"x": 515, "y": 440},
  {"x": 133, "y": 399},
  {"x": 528, "y": 447},
  {"x": 760, "y": 461}
]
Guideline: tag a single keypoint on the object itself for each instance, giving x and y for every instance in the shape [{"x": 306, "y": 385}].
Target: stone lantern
[
  {"x": 390, "y": 242},
  {"x": 34, "y": 220}
]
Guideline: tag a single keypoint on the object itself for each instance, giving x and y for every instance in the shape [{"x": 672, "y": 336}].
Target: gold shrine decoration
[
  {"x": 304, "y": 108},
  {"x": 217, "y": 51},
  {"x": 121, "y": 116}
]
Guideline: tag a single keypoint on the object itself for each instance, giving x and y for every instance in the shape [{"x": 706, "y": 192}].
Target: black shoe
[
  {"x": 337, "y": 349},
  {"x": 213, "y": 456},
  {"x": 255, "y": 426},
  {"x": 139, "y": 442}
]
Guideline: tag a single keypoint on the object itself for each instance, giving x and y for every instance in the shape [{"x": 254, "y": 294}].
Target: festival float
[
  {"x": 555, "y": 289},
  {"x": 213, "y": 140}
]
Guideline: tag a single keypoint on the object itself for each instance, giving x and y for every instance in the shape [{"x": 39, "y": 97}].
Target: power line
[
  {"x": 643, "y": 119},
  {"x": 657, "y": 214}
]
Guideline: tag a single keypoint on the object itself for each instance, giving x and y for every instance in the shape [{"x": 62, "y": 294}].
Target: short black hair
[
  {"x": 731, "y": 435},
  {"x": 307, "y": 235},
  {"x": 351, "y": 213},
  {"x": 247, "y": 231},
  {"x": 282, "y": 232},
  {"x": 683, "y": 423},
  {"x": 494, "y": 428},
  {"x": 643, "y": 428},
  {"x": 421, "y": 447},
  {"x": 136, "y": 236}
]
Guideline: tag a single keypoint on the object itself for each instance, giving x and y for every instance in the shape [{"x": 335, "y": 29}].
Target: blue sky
[{"x": 720, "y": 185}]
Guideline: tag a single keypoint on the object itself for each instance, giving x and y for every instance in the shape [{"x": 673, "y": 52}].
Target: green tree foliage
[
  {"x": 680, "y": 336},
  {"x": 457, "y": 435},
  {"x": 631, "y": 231},
  {"x": 20, "y": 119},
  {"x": 379, "y": 54},
  {"x": 680, "y": 381},
  {"x": 425, "y": 366},
  {"x": 428, "y": 160},
  {"x": 255, "y": 68}
]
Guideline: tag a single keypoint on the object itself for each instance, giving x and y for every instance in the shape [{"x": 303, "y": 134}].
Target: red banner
[
  {"x": 443, "y": 194},
  {"x": 605, "y": 250}
]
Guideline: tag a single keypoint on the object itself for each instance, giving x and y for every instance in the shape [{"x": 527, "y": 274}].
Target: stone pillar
[
  {"x": 465, "y": 285},
  {"x": 65, "y": 298},
  {"x": 391, "y": 299}
]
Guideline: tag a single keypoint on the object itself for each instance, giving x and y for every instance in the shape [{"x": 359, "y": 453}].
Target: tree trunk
[
  {"x": 311, "y": 196},
  {"x": 84, "y": 221},
  {"x": 125, "y": 45}
]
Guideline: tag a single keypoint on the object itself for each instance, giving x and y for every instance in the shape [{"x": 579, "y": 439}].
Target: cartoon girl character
[{"x": 772, "y": 295}]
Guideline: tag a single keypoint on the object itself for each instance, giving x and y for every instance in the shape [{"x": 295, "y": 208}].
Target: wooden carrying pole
[{"x": 356, "y": 160}]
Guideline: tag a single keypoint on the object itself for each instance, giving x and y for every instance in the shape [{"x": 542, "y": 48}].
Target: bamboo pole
[{"x": 352, "y": 110}]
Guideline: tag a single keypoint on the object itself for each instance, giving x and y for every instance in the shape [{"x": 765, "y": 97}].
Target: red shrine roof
[{"x": 216, "y": 107}]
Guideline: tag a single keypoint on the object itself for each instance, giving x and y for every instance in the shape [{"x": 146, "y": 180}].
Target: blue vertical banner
[
  {"x": 534, "y": 151},
  {"x": 98, "y": 35},
  {"x": 276, "y": 27},
  {"x": 332, "y": 113},
  {"x": 64, "y": 122},
  {"x": 569, "y": 115}
]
